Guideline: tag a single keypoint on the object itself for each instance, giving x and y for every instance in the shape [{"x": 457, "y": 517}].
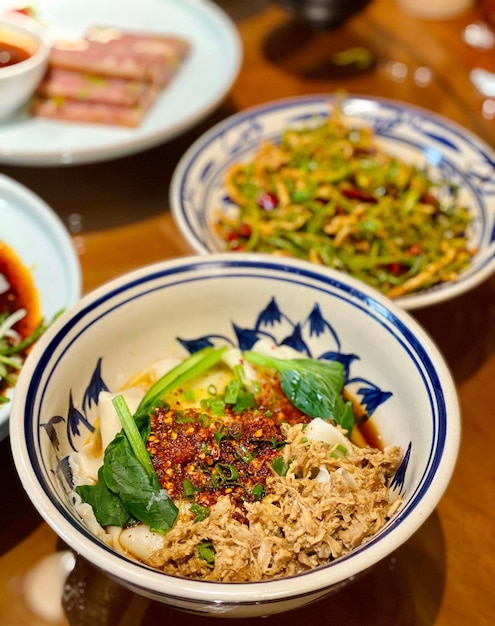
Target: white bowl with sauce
[
  {"x": 42, "y": 249},
  {"x": 23, "y": 62},
  {"x": 171, "y": 308}
]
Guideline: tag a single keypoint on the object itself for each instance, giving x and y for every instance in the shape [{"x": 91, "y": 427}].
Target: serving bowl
[
  {"x": 392, "y": 368},
  {"x": 198, "y": 192},
  {"x": 39, "y": 239},
  {"x": 18, "y": 81}
]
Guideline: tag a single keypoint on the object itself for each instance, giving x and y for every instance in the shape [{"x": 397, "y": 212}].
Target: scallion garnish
[
  {"x": 227, "y": 473},
  {"x": 206, "y": 552},
  {"x": 133, "y": 435},
  {"x": 193, "y": 366},
  {"x": 200, "y": 512}
]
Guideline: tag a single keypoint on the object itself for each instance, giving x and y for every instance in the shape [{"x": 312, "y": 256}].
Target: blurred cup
[{"x": 437, "y": 9}]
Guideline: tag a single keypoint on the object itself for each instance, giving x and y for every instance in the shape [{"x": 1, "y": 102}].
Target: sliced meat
[
  {"x": 108, "y": 77},
  {"x": 133, "y": 56},
  {"x": 60, "y": 83},
  {"x": 90, "y": 112}
]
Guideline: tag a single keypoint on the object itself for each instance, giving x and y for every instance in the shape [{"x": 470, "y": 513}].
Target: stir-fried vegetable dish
[
  {"x": 236, "y": 466},
  {"x": 328, "y": 193}
]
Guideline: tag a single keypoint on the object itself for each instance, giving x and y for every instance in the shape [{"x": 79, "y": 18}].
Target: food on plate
[
  {"x": 20, "y": 320},
  {"x": 329, "y": 193},
  {"x": 111, "y": 76},
  {"x": 108, "y": 51},
  {"x": 235, "y": 466}
]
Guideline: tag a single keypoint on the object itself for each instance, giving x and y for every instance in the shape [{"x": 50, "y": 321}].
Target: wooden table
[{"x": 119, "y": 218}]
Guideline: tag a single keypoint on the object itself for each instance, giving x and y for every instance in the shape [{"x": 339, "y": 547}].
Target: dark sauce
[
  {"x": 365, "y": 431},
  {"x": 20, "y": 294},
  {"x": 11, "y": 55}
]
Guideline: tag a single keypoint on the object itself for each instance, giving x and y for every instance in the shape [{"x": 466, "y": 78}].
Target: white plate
[
  {"x": 38, "y": 237},
  {"x": 201, "y": 84},
  {"x": 411, "y": 133}
]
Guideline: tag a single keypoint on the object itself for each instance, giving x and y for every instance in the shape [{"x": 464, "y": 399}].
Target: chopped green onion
[
  {"x": 189, "y": 488},
  {"x": 200, "y": 512},
  {"x": 194, "y": 365},
  {"x": 280, "y": 466},
  {"x": 227, "y": 473},
  {"x": 206, "y": 552},
  {"x": 232, "y": 391},
  {"x": 258, "y": 491},
  {"x": 339, "y": 452},
  {"x": 189, "y": 395},
  {"x": 219, "y": 435},
  {"x": 244, "y": 454}
]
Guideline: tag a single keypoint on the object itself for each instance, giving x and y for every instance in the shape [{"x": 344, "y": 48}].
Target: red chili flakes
[{"x": 213, "y": 456}]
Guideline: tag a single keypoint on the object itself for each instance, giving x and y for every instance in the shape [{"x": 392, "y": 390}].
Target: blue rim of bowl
[{"x": 410, "y": 335}]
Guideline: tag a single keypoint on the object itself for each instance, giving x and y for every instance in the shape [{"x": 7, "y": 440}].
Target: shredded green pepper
[{"x": 328, "y": 193}]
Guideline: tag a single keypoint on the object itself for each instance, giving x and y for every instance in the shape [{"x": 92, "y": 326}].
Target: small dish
[
  {"x": 39, "y": 239},
  {"x": 26, "y": 53},
  {"x": 414, "y": 134},
  {"x": 205, "y": 78}
]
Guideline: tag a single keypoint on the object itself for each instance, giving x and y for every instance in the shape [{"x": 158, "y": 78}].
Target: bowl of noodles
[
  {"x": 388, "y": 193},
  {"x": 235, "y": 435}
]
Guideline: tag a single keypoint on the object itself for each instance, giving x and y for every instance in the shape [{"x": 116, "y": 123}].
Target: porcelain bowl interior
[
  {"x": 19, "y": 81},
  {"x": 392, "y": 368},
  {"x": 413, "y": 134}
]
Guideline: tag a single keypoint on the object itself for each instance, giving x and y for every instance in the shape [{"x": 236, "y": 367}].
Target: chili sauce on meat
[{"x": 202, "y": 457}]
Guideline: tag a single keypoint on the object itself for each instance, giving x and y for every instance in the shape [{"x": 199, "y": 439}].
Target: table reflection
[{"x": 315, "y": 43}]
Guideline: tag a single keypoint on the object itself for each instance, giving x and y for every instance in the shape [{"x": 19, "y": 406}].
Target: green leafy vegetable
[
  {"x": 189, "y": 488},
  {"x": 107, "y": 506},
  {"x": 314, "y": 387},
  {"x": 140, "y": 492}
]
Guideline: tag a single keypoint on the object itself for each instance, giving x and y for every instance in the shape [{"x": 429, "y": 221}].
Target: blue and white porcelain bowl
[
  {"x": 413, "y": 134},
  {"x": 392, "y": 368}
]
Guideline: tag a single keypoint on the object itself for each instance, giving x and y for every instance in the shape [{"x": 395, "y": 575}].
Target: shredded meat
[{"x": 324, "y": 507}]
